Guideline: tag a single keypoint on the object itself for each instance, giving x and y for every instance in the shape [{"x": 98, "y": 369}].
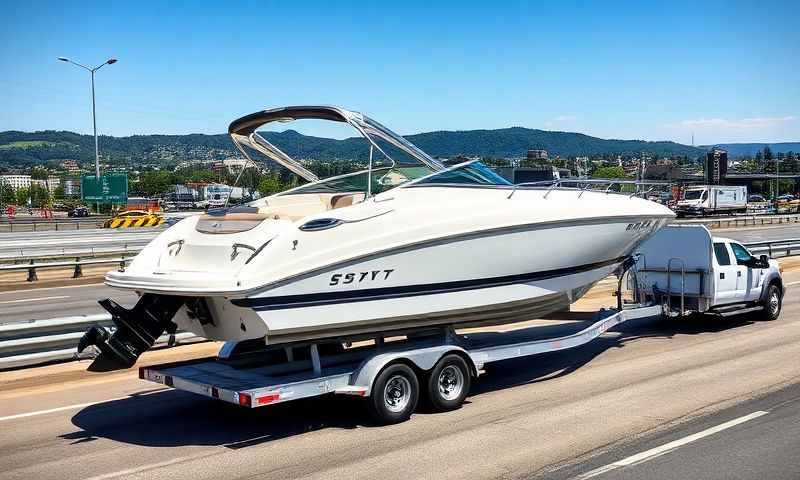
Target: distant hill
[
  {"x": 27, "y": 148},
  {"x": 750, "y": 149}
]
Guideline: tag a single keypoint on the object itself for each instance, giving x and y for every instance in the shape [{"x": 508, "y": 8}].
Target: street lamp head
[
  {"x": 63, "y": 59},
  {"x": 111, "y": 60}
]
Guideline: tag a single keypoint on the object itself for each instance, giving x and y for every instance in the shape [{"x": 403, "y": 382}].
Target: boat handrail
[{"x": 558, "y": 184}]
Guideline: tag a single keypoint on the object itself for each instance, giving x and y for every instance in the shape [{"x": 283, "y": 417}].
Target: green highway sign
[{"x": 109, "y": 188}]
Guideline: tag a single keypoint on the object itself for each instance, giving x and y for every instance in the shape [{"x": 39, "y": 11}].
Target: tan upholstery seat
[{"x": 345, "y": 200}]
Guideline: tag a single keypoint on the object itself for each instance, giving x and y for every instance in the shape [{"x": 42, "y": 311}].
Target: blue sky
[{"x": 727, "y": 71}]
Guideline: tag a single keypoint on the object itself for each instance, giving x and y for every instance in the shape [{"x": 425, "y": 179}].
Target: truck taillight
[{"x": 245, "y": 400}]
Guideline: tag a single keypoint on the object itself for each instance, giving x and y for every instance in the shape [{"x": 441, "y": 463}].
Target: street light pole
[
  {"x": 110, "y": 61},
  {"x": 94, "y": 128}
]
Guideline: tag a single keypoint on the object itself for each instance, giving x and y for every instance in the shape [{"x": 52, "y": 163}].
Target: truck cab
[{"x": 689, "y": 270}]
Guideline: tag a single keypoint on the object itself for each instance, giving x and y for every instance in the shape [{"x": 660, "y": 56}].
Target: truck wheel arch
[{"x": 773, "y": 279}]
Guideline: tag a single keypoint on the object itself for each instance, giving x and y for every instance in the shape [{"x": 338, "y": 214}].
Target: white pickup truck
[{"x": 688, "y": 270}]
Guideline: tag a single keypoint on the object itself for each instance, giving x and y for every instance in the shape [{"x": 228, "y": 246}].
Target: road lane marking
[
  {"x": 34, "y": 299},
  {"x": 75, "y": 406},
  {"x": 144, "y": 468},
  {"x": 668, "y": 447},
  {"x": 83, "y": 285},
  {"x": 793, "y": 283}
]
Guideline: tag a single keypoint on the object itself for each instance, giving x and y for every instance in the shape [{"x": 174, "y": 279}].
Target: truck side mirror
[{"x": 764, "y": 260}]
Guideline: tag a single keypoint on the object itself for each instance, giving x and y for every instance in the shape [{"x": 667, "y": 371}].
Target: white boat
[{"x": 403, "y": 244}]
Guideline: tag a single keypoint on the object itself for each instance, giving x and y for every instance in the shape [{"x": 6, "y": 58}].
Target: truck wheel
[
  {"x": 772, "y": 305},
  {"x": 448, "y": 383},
  {"x": 394, "y": 395}
]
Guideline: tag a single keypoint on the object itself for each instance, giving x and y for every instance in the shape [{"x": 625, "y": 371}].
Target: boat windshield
[
  {"x": 472, "y": 173},
  {"x": 374, "y": 161}
]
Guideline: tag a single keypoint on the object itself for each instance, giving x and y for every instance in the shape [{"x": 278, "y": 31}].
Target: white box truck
[{"x": 710, "y": 199}]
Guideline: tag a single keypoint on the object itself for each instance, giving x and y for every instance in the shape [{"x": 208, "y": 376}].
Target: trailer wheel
[
  {"x": 448, "y": 383},
  {"x": 773, "y": 302},
  {"x": 394, "y": 394}
]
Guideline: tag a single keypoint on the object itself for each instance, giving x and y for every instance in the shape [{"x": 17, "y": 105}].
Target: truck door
[
  {"x": 725, "y": 272},
  {"x": 752, "y": 278}
]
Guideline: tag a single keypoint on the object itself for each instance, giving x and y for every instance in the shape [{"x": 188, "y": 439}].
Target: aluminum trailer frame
[{"x": 353, "y": 372}]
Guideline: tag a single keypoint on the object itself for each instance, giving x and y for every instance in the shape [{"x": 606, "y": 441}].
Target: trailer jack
[{"x": 136, "y": 331}]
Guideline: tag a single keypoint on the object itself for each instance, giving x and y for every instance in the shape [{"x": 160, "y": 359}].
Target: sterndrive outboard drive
[{"x": 136, "y": 331}]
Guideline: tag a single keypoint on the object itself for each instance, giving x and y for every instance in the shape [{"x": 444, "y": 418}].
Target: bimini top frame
[{"x": 243, "y": 132}]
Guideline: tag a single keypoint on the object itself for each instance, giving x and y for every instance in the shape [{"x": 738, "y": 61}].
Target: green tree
[
  {"x": 59, "y": 192},
  {"x": 6, "y": 194},
  {"x": 40, "y": 196},
  {"x": 153, "y": 183},
  {"x": 22, "y": 195},
  {"x": 609, "y": 172},
  {"x": 767, "y": 153},
  {"x": 270, "y": 185},
  {"x": 39, "y": 173}
]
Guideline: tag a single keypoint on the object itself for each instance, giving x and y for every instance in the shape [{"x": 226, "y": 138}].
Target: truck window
[
  {"x": 721, "y": 252},
  {"x": 741, "y": 253},
  {"x": 693, "y": 194}
]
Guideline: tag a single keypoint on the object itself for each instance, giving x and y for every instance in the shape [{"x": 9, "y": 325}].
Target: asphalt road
[
  {"x": 557, "y": 414},
  {"x": 45, "y": 303},
  {"x": 760, "y": 234},
  {"x": 759, "y": 438}
]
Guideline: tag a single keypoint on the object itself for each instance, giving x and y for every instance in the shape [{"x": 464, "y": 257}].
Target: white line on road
[
  {"x": 144, "y": 468},
  {"x": 668, "y": 447},
  {"x": 34, "y": 299},
  {"x": 11, "y": 292},
  {"x": 77, "y": 405},
  {"x": 793, "y": 283}
]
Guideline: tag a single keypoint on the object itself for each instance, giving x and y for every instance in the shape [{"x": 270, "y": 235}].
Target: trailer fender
[{"x": 423, "y": 359}]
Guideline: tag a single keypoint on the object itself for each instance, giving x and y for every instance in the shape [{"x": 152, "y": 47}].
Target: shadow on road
[
  {"x": 547, "y": 366},
  {"x": 174, "y": 418}
]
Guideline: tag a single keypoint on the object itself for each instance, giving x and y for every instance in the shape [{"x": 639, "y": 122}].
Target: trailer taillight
[
  {"x": 141, "y": 373},
  {"x": 269, "y": 398},
  {"x": 245, "y": 400}
]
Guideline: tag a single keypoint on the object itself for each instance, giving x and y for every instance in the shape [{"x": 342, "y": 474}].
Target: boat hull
[{"x": 500, "y": 276}]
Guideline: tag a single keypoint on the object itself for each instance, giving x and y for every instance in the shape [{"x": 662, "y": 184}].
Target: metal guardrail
[
  {"x": 57, "y": 224},
  {"x": 50, "y": 252},
  {"x": 43, "y": 341},
  {"x": 773, "y": 247},
  {"x": 77, "y": 266},
  {"x": 742, "y": 220}
]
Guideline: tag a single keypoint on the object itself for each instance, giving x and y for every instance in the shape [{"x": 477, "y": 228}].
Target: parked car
[
  {"x": 756, "y": 199},
  {"x": 78, "y": 212},
  {"x": 786, "y": 198}
]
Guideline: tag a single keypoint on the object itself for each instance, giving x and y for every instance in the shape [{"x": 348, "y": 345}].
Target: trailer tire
[
  {"x": 395, "y": 393},
  {"x": 448, "y": 383},
  {"x": 772, "y": 302}
]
